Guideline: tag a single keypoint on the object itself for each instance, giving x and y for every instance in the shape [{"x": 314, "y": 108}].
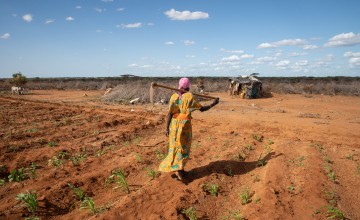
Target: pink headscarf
[{"x": 184, "y": 83}]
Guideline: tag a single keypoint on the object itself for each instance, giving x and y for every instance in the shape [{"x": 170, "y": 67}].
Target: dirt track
[{"x": 308, "y": 146}]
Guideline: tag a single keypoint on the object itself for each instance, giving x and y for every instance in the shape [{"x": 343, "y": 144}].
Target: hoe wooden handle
[{"x": 181, "y": 90}]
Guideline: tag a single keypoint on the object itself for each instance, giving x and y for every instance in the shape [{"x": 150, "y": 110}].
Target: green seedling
[
  {"x": 159, "y": 155},
  {"x": 55, "y": 161},
  {"x": 228, "y": 171},
  {"x": 233, "y": 215},
  {"x": 120, "y": 178},
  {"x": 190, "y": 213},
  {"x": 261, "y": 161},
  {"x": 257, "y": 137},
  {"x": 152, "y": 173},
  {"x": 331, "y": 197},
  {"x": 33, "y": 170},
  {"x": 2, "y": 182},
  {"x": 138, "y": 157},
  {"x": 78, "y": 158},
  {"x": 270, "y": 142},
  {"x": 99, "y": 153},
  {"x": 240, "y": 157},
  {"x": 301, "y": 161},
  {"x": 249, "y": 147},
  {"x": 17, "y": 175},
  {"x": 32, "y": 130},
  {"x": 52, "y": 144},
  {"x": 257, "y": 200},
  {"x": 212, "y": 189},
  {"x": 78, "y": 192},
  {"x": 136, "y": 140},
  {"x": 245, "y": 196},
  {"x": 30, "y": 201},
  {"x": 291, "y": 188},
  {"x": 318, "y": 147},
  {"x": 332, "y": 176},
  {"x": 126, "y": 143},
  {"x": 335, "y": 213},
  {"x": 256, "y": 178},
  {"x": 350, "y": 156},
  {"x": 268, "y": 149},
  {"x": 88, "y": 203},
  {"x": 63, "y": 154}
]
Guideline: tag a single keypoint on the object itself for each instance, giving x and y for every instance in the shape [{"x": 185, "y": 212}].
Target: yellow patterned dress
[{"x": 180, "y": 132}]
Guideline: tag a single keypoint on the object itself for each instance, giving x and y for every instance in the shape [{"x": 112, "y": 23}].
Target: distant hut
[{"x": 248, "y": 87}]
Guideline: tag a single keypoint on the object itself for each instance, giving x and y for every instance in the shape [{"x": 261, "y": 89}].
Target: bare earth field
[{"x": 285, "y": 157}]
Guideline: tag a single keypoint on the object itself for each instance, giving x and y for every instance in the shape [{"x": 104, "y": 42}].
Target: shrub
[
  {"x": 17, "y": 175},
  {"x": 30, "y": 200}
]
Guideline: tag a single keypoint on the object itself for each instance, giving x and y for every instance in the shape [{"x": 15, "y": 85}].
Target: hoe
[{"x": 153, "y": 85}]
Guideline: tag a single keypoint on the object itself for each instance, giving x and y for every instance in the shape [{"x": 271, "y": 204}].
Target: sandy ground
[{"x": 285, "y": 157}]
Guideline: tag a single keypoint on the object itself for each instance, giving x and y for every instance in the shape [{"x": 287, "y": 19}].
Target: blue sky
[{"x": 97, "y": 38}]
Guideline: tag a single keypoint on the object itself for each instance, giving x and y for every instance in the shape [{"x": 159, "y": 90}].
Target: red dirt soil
[{"x": 297, "y": 156}]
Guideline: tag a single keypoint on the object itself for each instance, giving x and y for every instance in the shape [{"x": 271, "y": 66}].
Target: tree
[{"x": 18, "y": 79}]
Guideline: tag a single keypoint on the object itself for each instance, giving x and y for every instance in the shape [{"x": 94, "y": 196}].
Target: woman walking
[{"x": 179, "y": 130}]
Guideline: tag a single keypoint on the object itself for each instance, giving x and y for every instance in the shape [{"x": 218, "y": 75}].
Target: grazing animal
[{"x": 17, "y": 90}]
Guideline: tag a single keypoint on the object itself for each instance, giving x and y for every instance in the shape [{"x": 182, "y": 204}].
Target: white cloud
[
  {"x": 295, "y": 54},
  {"x": 232, "y": 51},
  {"x": 78, "y": 7},
  {"x": 246, "y": 56},
  {"x": 285, "y": 42},
  {"x": 186, "y": 15},
  {"x": 283, "y": 64},
  {"x": 310, "y": 47},
  {"x": 231, "y": 58},
  {"x": 352, "y": 54},
  {"x": 99, "y": 31},
  {"x": 266, "y": 59},
  {"x": 14, "y": 15},
  {"x": 354, "y": 61},
  {"x": 265, "y": 45},
  {"x": 120, "y": 9},
  {"x": 302, "y": 63},
  {"x": 344, "y": 39},
  {"x": 133, "y": 25},
  {"x": 49, "y": 21},
  {"x": 69, "y": 18},
  {"x": 169, "y": 43},
  {"x": 100, "y": 10},
  {"x": 189, "y": 42},
  {"x": 133, "y": 65},
  {"x": 27, "y": 17},
  {"x": 190, "y": 56},
  {"x": 5, "y": 36}
]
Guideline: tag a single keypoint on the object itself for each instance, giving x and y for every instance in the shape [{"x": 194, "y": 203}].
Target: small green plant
[
  {"x": 120, "y": 178},
  {"x": 52, "y": 144},
  {"x": 291, "y": 188},
  {"x": 152, "y": 173},
  {"x": 212, "y": 189},
  {"x": 335, "y": 213},
  {"x": 32, "y": 130},
  {"x": 261, "y": 161},
  {"x": 270, "y": 142},
  {"x": 17, "y": 175},
  {"x": 257, "y": 137},
  {"x": 245, "y": 196},
  {"x": 228, "y": 171},
  {"x": 233, "y": 215},
  {"x": 78, "y": 192},
  {"x": 2, "y": 182},
  {"x": 268, "y": 149},
  {"x": 138, "y": 157},
  {"x": 33, "y": 170},
  {"x": 332, "y": 175},
  {"x": 30, "y": 201},
  {"x": 331, "y": 197},
  {"x": 256, "y": 178},
  {"x": 88, "y": 203},
  {"x": 63, "y": 154},
  {"x": 318, "y": 147},
  {"x": 240, "y": 156},
  {"x": 350, "y": 156},
  {"x": 136, "y": 140},
  {"x": 159, "y": 155},
  {"x": 301, "y": 161},
  {"x": 257, "y": 200},
  {"x": 78, "y": 158},
  {"x": 190, "y": 213},
  {"x": 249, "y": 147},
  {"x": 55, "y": 161},
  {"x": 126, "y": 143},
  {"x": 99, "y": 153}
]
